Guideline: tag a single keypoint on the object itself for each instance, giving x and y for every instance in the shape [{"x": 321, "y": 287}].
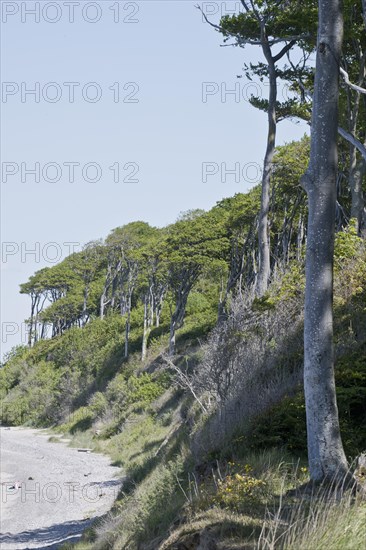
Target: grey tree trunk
[
  {"x": 325, "y": 451},
  {"x": 146, "y": 331},
  {"x": 148, "y": 320},
  {"x": 84, "y": 315},
  {"x": 176, "y": 319},
  {"x": 357, "y": 167},
  {"x": 357, "y": 173},
  {"x": 34, "y": 299},
  {"x": 128, "y": 323},
  {"x": 172, "y": 337},
  {"x": 263, "y": 232}
]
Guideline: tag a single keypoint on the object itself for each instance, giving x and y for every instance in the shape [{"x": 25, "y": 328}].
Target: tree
[
  {"x": 45, "y": 287},
  {"x": 194, "y": 243},
  {"x": 35, "y": 289},
  {"x": 124, "y": 265},
  {"x": 240, "y": 218},
  {"x": 325, "y": 451},
  {"x": 86, "y": 265},
  {"x": 353, "y": 105},
  {"x": 267, "y": 24},
  {"x": 153, "y": 283}
]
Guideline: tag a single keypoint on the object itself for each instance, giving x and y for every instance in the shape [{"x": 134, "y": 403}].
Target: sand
[{"x": 50, "y": 492}]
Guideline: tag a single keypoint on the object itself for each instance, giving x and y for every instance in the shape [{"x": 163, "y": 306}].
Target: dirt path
[{"x": 50, "y": 492}]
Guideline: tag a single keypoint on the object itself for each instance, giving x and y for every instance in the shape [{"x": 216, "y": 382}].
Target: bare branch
[
  {"x": 246, "y": 5},
  {"x": 243, "y": 41},
  {"x": 284, "y": 50},
  {"x": 353, "y": 86},
  {"x": 354, "y": 141},
  {"x": 184, "y": 381}
]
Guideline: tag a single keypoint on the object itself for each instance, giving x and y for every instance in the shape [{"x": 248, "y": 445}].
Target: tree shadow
[{"x": 51, "y": 537}]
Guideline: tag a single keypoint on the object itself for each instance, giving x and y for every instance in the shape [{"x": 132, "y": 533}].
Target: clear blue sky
[{"x": 169, "y": 132}]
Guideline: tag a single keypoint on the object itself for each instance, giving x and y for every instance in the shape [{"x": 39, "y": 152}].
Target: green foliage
[
  {"x": 31, "y": 401},
  {"x": 281, "y": 21},
  {"x": 285, "y": 423},
  {"x": 347, "y": 244},
  {"x": 142, "y": 390},
  {"x": 239, "y": 489}
]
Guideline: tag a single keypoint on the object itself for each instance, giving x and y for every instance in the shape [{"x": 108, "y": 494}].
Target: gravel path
[{"x": 50, "y": 492}]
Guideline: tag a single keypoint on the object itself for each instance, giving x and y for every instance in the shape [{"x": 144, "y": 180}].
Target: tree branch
[
  {"x": 184, "y": 381},
  {"x": 353, "y": 86},
  {"x": 284, "y": 50},
  {"x": 243, "y": 41},
  {"x": 354, "y": 141}
]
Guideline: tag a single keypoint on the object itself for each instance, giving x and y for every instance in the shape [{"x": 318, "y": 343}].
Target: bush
[{"x": 239, "y": 489}]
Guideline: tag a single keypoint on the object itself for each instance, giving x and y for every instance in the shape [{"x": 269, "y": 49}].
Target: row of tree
[
  {"x": 287, "y": 31},
  {"x": 143, "y": 267},
  {"x": 139, "y": 267}
]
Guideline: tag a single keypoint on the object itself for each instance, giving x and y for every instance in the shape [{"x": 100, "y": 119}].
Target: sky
[{"x": 115, "y": 111}]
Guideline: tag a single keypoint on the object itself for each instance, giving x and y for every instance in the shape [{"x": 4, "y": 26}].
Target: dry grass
[{"x": 320, "y": 522}]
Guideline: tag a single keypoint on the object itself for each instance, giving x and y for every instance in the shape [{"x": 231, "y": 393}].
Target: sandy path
[{"x": 60, "y": 490}]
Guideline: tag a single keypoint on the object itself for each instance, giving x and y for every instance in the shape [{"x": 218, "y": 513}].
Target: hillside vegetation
[{"x": 152, "y": 347}]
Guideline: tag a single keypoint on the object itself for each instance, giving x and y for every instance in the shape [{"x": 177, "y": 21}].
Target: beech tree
[
  {"x": 325, "y": 451},
  {"x": 153, "y": 284},
  {"x": 268, "y": 25},
  {"x": 46, "y": 287},
  {"x": 36, "y": 291},
  {"x": 86, "y": 266},
  {"x": 194, "y": 243},
  {"x": 124, "y": 265},
  {"x": 352, "y": 125}
]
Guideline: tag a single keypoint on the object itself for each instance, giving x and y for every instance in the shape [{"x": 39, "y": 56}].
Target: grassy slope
[{"x": 236, "y": 498}]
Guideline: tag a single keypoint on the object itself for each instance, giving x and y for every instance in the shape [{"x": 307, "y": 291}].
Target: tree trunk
[
  {"x": 172, "y": 337},
  {"x": 176, "y": 319},
  {"x": 102, "y": 304},
  {"x": 148, "y": 321},
  {"x": 325, "y": 450},
  {"x": 128, "y": 323},
  {"x": 34, "y": 299},
  {"x": 263, "y": 233},
  {"x": 145, "y": 333},
  {"x": 358, "y": 170},
  {"x": 357, "y": 167},
  {"x": 103, "y": 299},
  {"x": 84, "y": 315}
]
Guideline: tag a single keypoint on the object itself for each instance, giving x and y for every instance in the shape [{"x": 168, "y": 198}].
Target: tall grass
[{"x": 327, "y": 519}]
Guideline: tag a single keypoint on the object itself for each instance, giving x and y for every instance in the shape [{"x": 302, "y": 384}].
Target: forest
[{"x": 221, "y": 360}]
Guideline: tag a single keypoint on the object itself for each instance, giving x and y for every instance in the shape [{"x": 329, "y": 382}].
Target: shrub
[{"x": 240, "y": 488}]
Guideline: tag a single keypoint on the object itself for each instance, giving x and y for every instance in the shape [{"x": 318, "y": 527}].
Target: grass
[
  {"x": 279, "y": 520},
  {"x": 85, "y": 440},
  {"x": 228, "y": 527},
  {"x": 318, "y": 523},
  {"x": 243, "y": 501}
]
